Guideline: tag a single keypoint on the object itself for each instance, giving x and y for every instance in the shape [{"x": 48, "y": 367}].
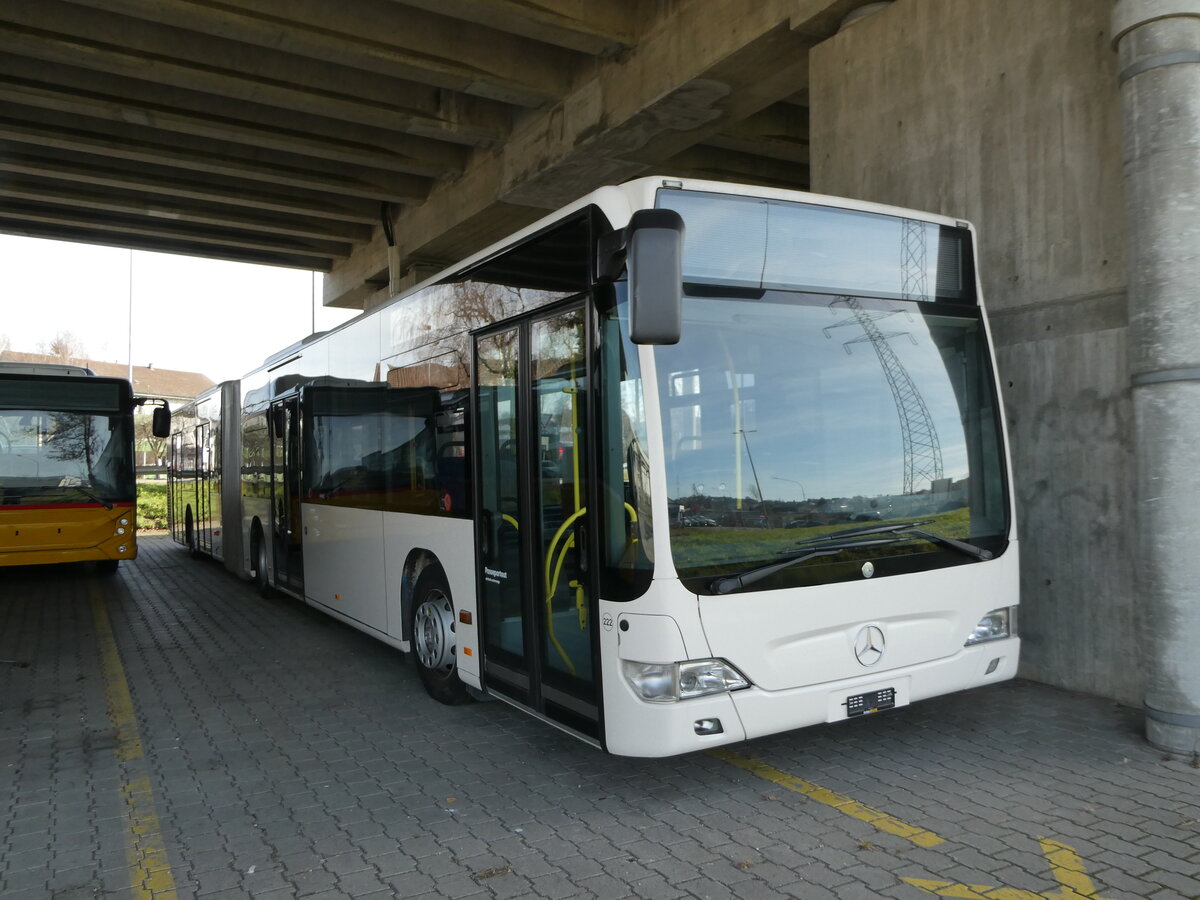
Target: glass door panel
[
  {"x": 501, "y": 575},
  {"x": 285, "y": 495},
  {"x": 531, "y": 426},
  {"x": 559, "y": 388}
]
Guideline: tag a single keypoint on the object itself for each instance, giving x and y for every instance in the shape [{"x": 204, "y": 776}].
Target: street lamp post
[{"x": 803, "y": 495}]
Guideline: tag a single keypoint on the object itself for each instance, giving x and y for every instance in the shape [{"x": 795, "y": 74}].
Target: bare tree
[
  {"x": 65, "y": 348},
  {"x": 145, "y": 441},
  {"x": 5, "y": 343}
]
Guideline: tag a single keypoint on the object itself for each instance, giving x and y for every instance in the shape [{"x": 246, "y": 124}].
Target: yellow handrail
[{"x": 551, "y": 581}]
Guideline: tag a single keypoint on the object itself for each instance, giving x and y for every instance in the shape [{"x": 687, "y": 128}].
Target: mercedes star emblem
[{"x": 869, "y": 644}]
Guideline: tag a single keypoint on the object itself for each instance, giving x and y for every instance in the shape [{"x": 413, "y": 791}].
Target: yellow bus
[{"x": 67, "y": 478}]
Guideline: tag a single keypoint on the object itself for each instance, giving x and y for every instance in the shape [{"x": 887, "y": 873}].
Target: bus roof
[{"x": 30, "y": 368}]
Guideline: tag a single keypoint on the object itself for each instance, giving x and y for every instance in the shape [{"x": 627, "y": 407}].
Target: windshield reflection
[
  {"x": 794, "y": 415},
  {"x": 53, "y": 457}
]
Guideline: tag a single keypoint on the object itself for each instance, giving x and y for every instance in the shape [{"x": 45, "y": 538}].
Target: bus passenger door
[
  {"x": 203, "y": 516},
  {"x": 286, "y": 524},
  {"x": 536, "y": 597}
]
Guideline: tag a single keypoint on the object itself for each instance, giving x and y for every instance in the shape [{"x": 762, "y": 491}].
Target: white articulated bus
[{"x": 682, "y": 464}]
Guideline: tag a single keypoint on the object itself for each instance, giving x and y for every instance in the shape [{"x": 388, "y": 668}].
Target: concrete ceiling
[{"x": 377, "y": 140}]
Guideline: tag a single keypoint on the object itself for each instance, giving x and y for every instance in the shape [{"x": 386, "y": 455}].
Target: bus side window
[{"x": 627, "y": 536}]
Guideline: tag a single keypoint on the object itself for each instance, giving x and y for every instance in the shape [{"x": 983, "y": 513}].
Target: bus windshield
[
  {"x": 74, "y": 452},
  {"x": 788, "y": 416}
]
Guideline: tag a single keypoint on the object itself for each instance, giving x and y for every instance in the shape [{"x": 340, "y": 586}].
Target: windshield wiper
[
  {"x": 75, "y": 487},
  {"x": 836, "y": 542},
  {"x": 727, "y": 583},
  {"x": 960, "y": 546},
  {"x": 913, "y": 528}
]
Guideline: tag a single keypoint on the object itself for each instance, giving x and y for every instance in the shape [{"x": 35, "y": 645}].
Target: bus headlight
[
  {"x": 668, "y": 682},
  {"x": 999, "y": 623}
]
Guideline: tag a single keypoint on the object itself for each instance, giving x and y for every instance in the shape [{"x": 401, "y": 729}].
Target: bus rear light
[
  {"x": 122, "y": 549},
  {"x": 124, "y": 522},
  {"x": 670, "y": 682},
  {"x": 120, "y": 531}
]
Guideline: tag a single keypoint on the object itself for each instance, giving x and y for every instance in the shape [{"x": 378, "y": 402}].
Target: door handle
[{"x": 485, "y": 538}]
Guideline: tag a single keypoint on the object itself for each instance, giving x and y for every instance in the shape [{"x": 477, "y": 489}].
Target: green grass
[
  {"x": 698, "y": 546},
  {"x": 152, "y": 506}
]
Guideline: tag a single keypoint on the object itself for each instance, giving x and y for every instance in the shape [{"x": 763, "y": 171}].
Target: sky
[{"x": 219, "y": 318}]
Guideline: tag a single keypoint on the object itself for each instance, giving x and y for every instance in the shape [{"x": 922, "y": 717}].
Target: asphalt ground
[{"x": 165, "y": 732}]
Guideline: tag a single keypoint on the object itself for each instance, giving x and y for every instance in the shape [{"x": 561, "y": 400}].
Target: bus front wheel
[{"x": 433, "y": 637}]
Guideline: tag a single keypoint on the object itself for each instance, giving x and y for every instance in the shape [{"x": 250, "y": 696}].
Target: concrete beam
[
  {"x": 718, "y": 164},
  {"x": 90, "y": 235},
  {"x": 140, "y": 144},
  {"x": 320, "y": 252},
  {"x": 595, "y": 27},
  {"x": 133, "y": 203},
  {"x": 378, "y": 36},
  {"x": 779, "y": 132},
  {"x": 60, "y": 33},
  {"x": 163, "y": 182},
  {"x": 109, "y": 98},
  {"x": 665, "y": 95},
  {"x": 351, "y": 281}
]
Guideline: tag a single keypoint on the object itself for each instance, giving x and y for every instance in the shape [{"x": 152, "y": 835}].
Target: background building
[{"x": 175, "y": 387}]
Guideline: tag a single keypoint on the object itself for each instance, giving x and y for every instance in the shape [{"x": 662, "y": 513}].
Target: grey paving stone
[{"x": 277, "y": 738}]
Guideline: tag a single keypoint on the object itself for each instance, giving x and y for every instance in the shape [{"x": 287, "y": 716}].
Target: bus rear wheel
[
  {"x": 261, "y": 580},
  {"x": 433, "y": 638}
]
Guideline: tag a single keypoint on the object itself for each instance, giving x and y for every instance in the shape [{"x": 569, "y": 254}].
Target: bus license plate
[{"x": 870, "y": 702}]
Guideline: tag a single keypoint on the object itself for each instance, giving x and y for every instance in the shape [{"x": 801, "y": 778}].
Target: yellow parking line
[
  {"x": 843, "y": 804},
  {"x": 1067, "y": 868},
  {"x": 145, "y": 850}
]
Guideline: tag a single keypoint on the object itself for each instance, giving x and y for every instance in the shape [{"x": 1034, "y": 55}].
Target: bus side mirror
[
  {"x": 160, "y": 423},
  {"x": 652, "y": 247}
]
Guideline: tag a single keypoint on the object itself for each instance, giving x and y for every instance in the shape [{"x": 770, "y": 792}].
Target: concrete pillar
[{"x": 1158, "y": 44}]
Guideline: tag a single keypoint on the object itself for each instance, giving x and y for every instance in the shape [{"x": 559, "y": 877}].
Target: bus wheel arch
[{"x": 433, "y": 637}]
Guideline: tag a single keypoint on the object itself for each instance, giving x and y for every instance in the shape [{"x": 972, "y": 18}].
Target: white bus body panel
[
  {"x": 344, "y": 564},
  {"x": 354, "y": 566},
  {"x": 452, "y": 542},
  {"x": 796, "y": 647},
  {"x": 793, "y": 638}
]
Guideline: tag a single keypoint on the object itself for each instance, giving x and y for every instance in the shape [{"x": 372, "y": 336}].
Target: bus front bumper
[
  {"x": 655, "y": 730},
  {"x": 75, "y": 534}
]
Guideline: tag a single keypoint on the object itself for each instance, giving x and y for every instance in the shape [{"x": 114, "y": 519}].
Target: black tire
[
  {"x": 258, "y": 549},
  {"x": 189, "y": 532},
  {"x": 108, "y": 566},
  {"x": 433, "y": 638}
]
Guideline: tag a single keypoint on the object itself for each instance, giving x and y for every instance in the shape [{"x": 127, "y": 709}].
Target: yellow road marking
[
  {"x": 1067, "y": 869},
  {"x": 145, "y": 850},
  {"x": 843, "y": 804},
  {"x": 1065, "y": 865}
]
